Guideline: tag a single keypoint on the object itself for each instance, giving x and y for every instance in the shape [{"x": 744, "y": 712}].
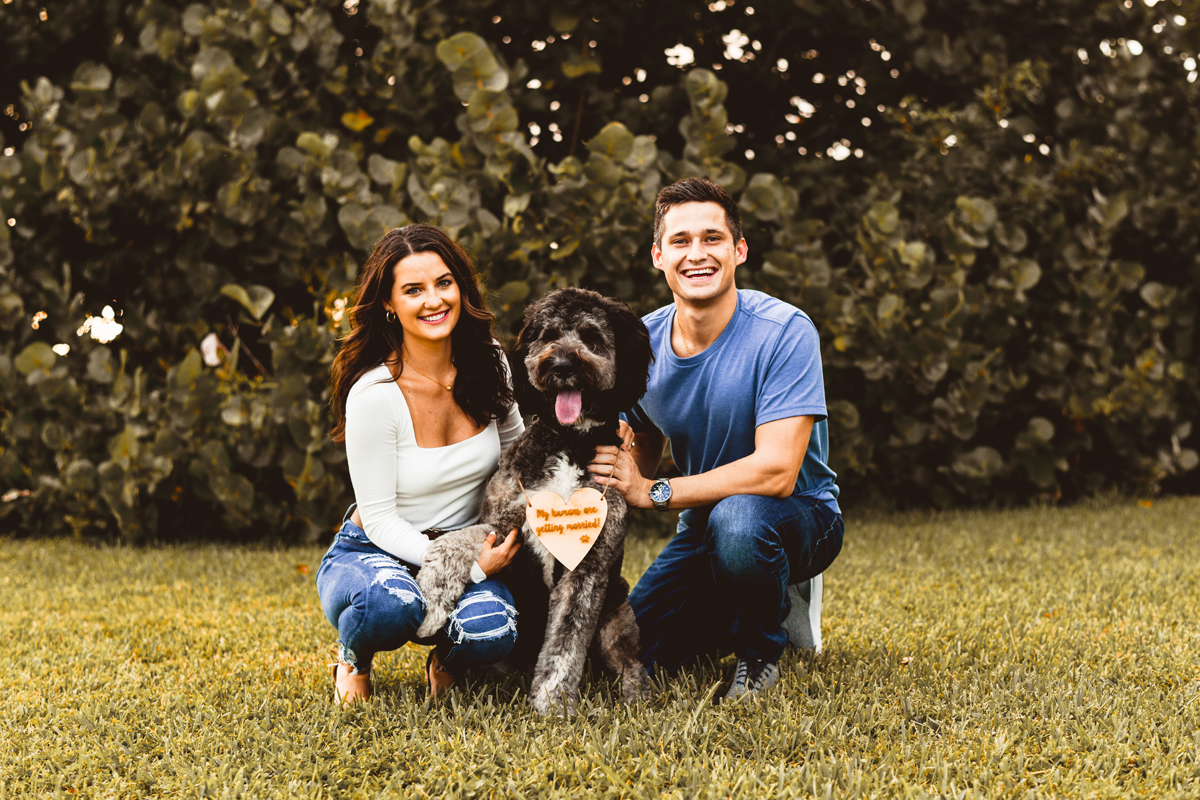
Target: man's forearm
[
  {"x": 648, "y": 452},
  {"x": 770, "y": 471},
  {"x": 749, "y": 475}
]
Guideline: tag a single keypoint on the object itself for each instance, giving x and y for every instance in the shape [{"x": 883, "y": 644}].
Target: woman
[{"x": 423, "y": 402}]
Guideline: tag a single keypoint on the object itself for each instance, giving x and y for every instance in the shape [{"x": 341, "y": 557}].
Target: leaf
[
  {"x": 1026, "y": 273},
  {"x": 255, "y": 299},
  {"x": 764, "y": 197},
  {"x": 890, "y": 306},
  {"x": 515, "y": 204},
  {"x": 91, "y": 77},
  {"x": 314, "y": 144},
  {"x": 1041, "y": 428},
  {"x": 193, "y": 19},
  {"x": 614, "y": 142},
  {"x": 488, "y": 222},
  {"x": 212, "y": 61},
  {"x": 124, "y": 447},
  {"x": 977, "y": 212},
  {"x": 913, "y": 254},
  {"x": 35, "y": 356},
  {"x": 982, "y": 463},
  {"x": 883, "y": 217},
  {"x": 460, "y": 49},
  {"x": 357, "y": 120},
  {"x": 563, "y": 21},
  {"x": 512, "y": 293},
  {"x": 643, "y": 155},
  {"x": 234, "y": 412},
  {"x": 280, "y": 22},
  {"x": 473, "y": 65},
  {"x": 385, "y": 171},
  {"x": 577, "y": 64},
  {"x": 1156, "y": 295},
  {"x": 100, "y": 366},
  {"x": 233, "y": 491}
]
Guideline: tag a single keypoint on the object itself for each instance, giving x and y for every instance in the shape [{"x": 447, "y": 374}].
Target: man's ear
[
  {"x": 656, "y": 256},
  {"x": 742, "y": 250}
]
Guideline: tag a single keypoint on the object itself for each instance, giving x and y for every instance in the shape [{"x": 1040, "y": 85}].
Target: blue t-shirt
[{"x": 765, "y": 366}]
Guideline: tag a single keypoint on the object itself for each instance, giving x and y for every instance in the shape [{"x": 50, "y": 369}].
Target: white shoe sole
[{"x": 805, "y": 617}]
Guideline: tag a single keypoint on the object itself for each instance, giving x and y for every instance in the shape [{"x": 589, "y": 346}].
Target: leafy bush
[{"x": 998, "y": 246}]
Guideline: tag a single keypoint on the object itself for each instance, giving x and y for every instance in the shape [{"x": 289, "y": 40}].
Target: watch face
[{"x": 660, "y": 492}]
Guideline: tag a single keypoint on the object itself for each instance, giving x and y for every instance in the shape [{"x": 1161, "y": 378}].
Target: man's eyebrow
[
  {"x": 419, "y": 283},
  {"x": 702, "y": 233}
]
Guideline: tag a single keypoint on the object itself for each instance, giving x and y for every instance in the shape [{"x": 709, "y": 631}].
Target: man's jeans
[
  {"x": 376, "y": 605},
  {"x": 723, "y": 587}
]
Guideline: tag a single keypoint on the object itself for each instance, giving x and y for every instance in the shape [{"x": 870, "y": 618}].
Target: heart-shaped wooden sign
[{"x": 567, "y": 528}]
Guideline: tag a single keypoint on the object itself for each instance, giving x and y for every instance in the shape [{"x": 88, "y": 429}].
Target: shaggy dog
[{"x": 581, "y": 359}]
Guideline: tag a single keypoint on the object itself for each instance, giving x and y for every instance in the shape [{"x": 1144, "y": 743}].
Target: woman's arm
[{"x": 373, "y": 432}]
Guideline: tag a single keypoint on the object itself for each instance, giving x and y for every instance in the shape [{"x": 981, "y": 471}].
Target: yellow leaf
[{"x": 357, "y": 120}]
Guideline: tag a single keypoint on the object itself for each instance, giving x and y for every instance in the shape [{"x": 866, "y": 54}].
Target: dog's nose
[{"x": 562, "y": 365}]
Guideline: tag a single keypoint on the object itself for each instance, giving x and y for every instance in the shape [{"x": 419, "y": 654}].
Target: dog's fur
[{"x": 572, "y": 339}]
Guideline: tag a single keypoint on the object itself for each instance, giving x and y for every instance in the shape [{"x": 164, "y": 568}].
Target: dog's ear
[
  {"x": 528, "y": 399},
  {"x": 634, "y": 354}
]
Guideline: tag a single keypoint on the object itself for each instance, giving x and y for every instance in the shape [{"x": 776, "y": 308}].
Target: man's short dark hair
[{"x": 695, "y": 190}]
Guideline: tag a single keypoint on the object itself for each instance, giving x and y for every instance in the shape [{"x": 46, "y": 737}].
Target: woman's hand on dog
[{"x": 493, "y": 558}]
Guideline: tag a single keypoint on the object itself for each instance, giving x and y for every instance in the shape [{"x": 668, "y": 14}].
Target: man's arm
[
  {"x": 647, "y": 450},
  {"x": 771, "y": 470}
]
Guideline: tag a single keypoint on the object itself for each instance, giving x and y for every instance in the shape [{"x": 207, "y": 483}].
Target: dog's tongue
[{"x": 567, "y": 407}]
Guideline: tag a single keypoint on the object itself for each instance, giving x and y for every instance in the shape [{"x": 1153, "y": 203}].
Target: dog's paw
[
  {"x": 546, "y": 703},
  {"x": 635, "y": 683},
  {"x": 445, "y": 573}
]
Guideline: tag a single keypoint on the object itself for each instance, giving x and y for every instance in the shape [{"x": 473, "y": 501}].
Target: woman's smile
[{"x": 435, "y": 318}]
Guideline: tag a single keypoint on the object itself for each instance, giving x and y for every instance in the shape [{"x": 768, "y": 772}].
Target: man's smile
[{"x": 698, "y": 274}]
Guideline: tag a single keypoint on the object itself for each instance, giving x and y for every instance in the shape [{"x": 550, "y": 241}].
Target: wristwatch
[{"x": 660, "y": 493}]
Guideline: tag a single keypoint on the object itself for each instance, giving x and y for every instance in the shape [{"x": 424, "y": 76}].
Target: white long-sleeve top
[{"x": 402, "y": 489}]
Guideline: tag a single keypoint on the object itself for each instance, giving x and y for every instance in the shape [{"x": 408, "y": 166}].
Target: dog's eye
[
  {"x": 550, "y": 334},
  {"x": 593, "y": 338}
]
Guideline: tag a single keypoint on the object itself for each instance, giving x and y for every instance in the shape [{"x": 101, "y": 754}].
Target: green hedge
[{"x": 993, "y": 224}]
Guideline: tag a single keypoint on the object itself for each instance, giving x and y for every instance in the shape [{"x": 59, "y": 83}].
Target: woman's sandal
[
  {"x": 348, "y": 686},
  {"x": 441, "y": 680}
]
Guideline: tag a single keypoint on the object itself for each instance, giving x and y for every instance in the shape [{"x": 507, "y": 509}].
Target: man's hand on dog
[
  {"x": 493, "y": 558},
  {"x": 615, "y": 466}
]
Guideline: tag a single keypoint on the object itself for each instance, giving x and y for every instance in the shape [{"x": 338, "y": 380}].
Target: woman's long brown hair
[{"x": 481, "y": 389}]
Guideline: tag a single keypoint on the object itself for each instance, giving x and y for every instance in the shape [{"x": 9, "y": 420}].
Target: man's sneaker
[
  {"x": 752, "y": 676},
  {"x": 803, "y": 623}
]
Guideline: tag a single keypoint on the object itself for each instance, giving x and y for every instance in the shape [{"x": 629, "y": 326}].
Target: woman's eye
[
  {"x": 412, "y": 290},
  {"x": 444, "y": 283}
]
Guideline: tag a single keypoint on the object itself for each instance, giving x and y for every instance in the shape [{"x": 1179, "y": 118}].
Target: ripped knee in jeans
[{"x": 481, "y": 616}]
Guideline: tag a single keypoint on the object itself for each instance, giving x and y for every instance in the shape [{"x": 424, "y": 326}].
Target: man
[{"x": 737, "y": 389}]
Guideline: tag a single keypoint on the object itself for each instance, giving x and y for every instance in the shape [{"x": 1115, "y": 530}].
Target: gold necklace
[
  {"x": 683, "y": 338},
  {"x": 448, "y": 386}
]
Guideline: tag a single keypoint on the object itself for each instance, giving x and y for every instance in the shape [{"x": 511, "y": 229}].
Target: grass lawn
[{"x": 1038, "y": 652}]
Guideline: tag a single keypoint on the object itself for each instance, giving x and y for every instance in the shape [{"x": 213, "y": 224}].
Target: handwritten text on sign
[{"x": 567, "y": 528}]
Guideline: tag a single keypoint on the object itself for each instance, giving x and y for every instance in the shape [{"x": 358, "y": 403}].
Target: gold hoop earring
[{"x": 390, "y": 316}]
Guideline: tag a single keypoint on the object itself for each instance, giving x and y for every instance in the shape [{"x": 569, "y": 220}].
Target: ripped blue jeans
[{"x": 376, "y": 605}]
